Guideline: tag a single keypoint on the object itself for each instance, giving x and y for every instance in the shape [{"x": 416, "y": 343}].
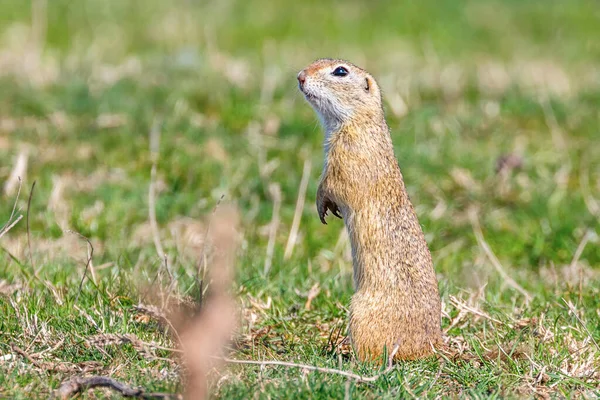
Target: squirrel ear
[{"x": 368, "y": 84}]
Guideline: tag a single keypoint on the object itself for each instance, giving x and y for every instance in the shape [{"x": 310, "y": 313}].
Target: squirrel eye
[{"x": 340, "y": 71}]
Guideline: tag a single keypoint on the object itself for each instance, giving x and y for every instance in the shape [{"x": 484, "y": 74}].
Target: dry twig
[
  {"x": 275, "y": 192},
  {"x": 349, "y": 375},
  {"x": 152, "y": 212},
  {"x": 8, "y": 227},
  {"x": 28, "y": 231},
  {"x": 10, "y": 223},
  {"x": 61, "y": 367},
  {"x": 90, "y": 254},
  {"x": 462, "y": 306},
  {"x": 144, "y": 349},
  {"x": 25, "y": 355},
  {"x": 79, "y": 384},
  {"x": 494, "y": 260},
  {"x": 312, "y": 293},
  {"x": 292, "y": 238},
  {"x": 573, "y": 310},
  {"x": 202, "y": 263},
  {"x": 19, "y": 171},
  {"x": 592, "y": 204},
  {"x": 586, "y": 238},
  {"x": 154, "y": 154}
]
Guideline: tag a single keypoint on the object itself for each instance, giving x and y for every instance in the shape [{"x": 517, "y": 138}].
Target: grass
[{"x": 465, "y": 83}]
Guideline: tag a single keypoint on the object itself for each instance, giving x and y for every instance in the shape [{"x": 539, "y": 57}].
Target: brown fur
[{"x": 396, "y": 301}]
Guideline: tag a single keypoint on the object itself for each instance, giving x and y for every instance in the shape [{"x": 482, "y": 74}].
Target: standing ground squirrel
[{"x": 396, "y": 303}]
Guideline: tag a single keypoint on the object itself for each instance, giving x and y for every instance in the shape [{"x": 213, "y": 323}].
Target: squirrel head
[{"x": 340, "y": 92}]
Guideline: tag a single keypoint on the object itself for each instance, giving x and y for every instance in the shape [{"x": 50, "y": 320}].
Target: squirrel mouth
[{"x": 307, "y": 95}]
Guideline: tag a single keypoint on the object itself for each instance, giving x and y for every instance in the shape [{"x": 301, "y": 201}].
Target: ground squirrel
[{"x": 396, "y": 303}]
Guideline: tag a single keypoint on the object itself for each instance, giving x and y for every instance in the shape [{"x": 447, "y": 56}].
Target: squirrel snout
[{"x": 301, "y": 78}]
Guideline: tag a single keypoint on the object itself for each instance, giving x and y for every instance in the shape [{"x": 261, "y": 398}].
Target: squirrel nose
[{"x": 301, "y": 78}]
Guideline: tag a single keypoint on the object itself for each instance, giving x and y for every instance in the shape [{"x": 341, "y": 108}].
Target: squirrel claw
[
  {"x": 323, "y": 214},
  {"x": 322, "y": 217},
  {"x": 322, "y": 210},
  {"x": 328, "y": 205},
  {"x": 336, "y": 211}
]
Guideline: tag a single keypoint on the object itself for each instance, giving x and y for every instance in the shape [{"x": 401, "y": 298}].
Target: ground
[{"x": 493, "y": 108}]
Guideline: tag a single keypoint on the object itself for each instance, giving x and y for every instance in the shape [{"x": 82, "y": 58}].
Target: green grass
[{"x": 479, "y": 80}]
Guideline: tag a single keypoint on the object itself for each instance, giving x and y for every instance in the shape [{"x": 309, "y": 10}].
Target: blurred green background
[{"x": 467, "y": 85}]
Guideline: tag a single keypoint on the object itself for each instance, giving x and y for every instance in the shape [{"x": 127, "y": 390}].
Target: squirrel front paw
[{"x": 325, "y": 204}]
